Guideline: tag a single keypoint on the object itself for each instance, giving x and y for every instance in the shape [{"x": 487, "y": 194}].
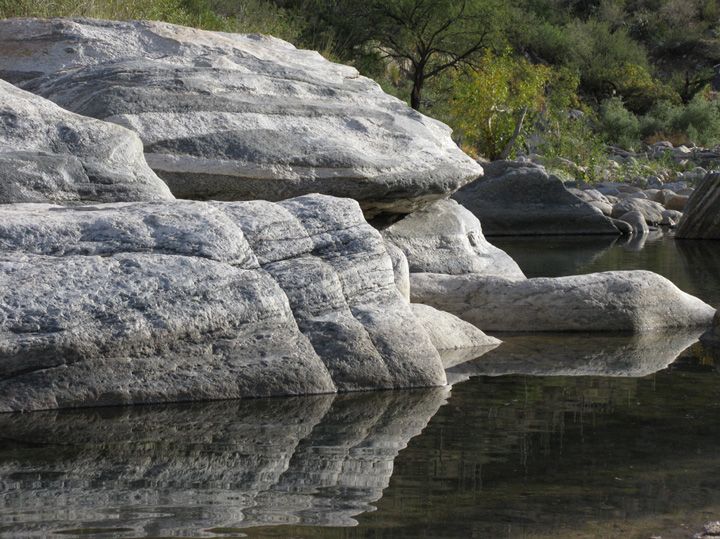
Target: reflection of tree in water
[
  {"x": 523, "y": 456},
  {"x": 187, "y": 468}
]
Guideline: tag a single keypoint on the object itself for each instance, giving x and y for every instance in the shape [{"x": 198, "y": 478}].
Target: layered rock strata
[
  {"x": 609, "y": 301},
  {"x": 155, "y": 302},
  {"x": 701, "y": 218},
  {"x": 239, "y": 117},
  {"x": 48, "y": 154}
]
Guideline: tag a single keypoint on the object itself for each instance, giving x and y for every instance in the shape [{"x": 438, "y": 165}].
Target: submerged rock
[
  {"x": 151, "y": 302},
  {"x": 48, "y": 154},
  {"x": 519, "y": 198},
  {"x": 701, "y": 219},
  {"x": 609, "y": 301},
  {"x": 239, "y": 117},
  {"x": 447, "y": 238},
  {"x": 448, "y": 332}
]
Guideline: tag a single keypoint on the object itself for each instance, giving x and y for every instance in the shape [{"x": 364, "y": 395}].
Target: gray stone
[
  {"x": 239, "y": 117},
  {"x": 448, "y": 332},
  {"x": 676, "y": 202},
  {"x": 156, "y": 302},
  {"x": 447, "y": 238},
  {"x": 48, "y": 154},
  {"x": 401, "y": 269},
  {"x": 652, "y": 211},
  {"x": 636, "y": 220},
  {"x": 701, "y": 219},
  {"x": 671, "y": 217},
  {"x": 521, "y": 199},
  {"x": 609, "y": 301},
  {"x": 712, "y": 337}
]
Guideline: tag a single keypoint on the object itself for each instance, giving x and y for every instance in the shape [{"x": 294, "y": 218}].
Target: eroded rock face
[
  {"x": 609, "y": 301},
  {"x": 158, "y": 302},
  {"x": 48, "y": 154},
  {"x": 447, "y": 238},
  {"x": 239, "y": 117},
  {"x": 517, "y": 198},
  {"x": 701, "y": 219}
]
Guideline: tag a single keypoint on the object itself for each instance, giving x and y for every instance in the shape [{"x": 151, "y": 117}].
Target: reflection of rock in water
[
  {"x": 541, "y": 256},
  {"x": 180, "y": 470},
  {"x": 586, "y": 354},
  {"x": 701, "y": 259}
]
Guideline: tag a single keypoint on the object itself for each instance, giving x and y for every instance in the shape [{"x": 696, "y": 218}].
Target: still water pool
[{"x": 552, "y": 436}]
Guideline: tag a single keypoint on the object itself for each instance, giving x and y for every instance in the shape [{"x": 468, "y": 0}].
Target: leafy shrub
[{"x": 619, "y": 125}]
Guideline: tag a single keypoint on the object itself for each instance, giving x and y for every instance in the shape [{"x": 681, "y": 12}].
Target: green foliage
[
  {"x": 619, "y": 125},
  {"x": 167, "y": 10},
  {"x": 492, "y": 101}
]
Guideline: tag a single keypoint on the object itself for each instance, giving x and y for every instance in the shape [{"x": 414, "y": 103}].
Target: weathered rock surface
[
  {"x": 519, "y": 198},
  {"x": 239, "y": 117},
  {"x": 609, "y": 301},
  {"x": 701, "y": 219},
  {"x": 151, "y": 302},
  {"x": 636, "y": 220},
  {"x": 48, "y": 154},
  {"x": 447, "y": 238},
  {"x": 401, "y": 269},
  {"x": 448, "y": 332},
  {"x": 651, "y": 211},
  {"x": 237, "y": 464}
]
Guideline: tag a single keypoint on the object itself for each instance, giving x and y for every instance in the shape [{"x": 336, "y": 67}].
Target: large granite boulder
[
  {"x": 519, "y": 198},
  {"x": 239, "y": 117},
  {"x": 447, "y": 238},
  {"x": 150, "y": 302},
  {"x": 207, "y": 468},
  {"x": 48, "y": 154},
  {"x": 609, "y": 301},
  {"x": 701, "y": 218}
]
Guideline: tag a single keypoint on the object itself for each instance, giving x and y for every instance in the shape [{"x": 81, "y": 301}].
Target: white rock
[
  {"x": 447, "y": 238},
  {"x": 610, "y": 301},
  {"x": 48, "y": 154},
  {"x": 156, "y": 302},
  {"x": 239, "y": 117}
]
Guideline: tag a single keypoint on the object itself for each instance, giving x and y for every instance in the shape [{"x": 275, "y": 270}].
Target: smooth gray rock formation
[
  {"x": 609, "y": 301},
  {"x": 157, "y": 302},
  {"x": 401, "y": 269},
  {"x": 519, "y": 198},
  {"x": 448, "y": 332},
  {"x": 651, "y": 211},
  {"x": 190, "y": 470},
  {"x": 447, "y": 238},
  {"x": 569, "y": 354},
  {"x": 239, "y": 117},
  {"x": 636, "y": 220},
  {"x": 48, "y": 154},
  {"x": 701, "y": 218}
]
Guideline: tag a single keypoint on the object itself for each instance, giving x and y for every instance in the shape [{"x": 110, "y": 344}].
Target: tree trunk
[
  {"x": 418, "y": 81},
  {"x": 518, "y": 127}
]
